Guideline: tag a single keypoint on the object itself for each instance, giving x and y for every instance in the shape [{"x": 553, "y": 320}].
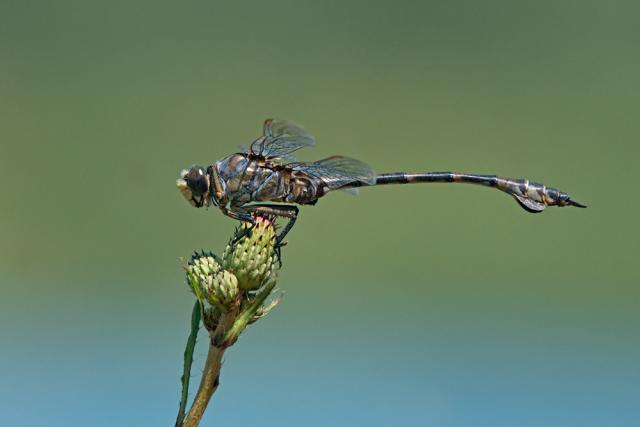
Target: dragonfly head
[{"x": 195, "y": 186}]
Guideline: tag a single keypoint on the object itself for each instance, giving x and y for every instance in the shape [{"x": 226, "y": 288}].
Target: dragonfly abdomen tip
[{"x": 576, "y": 204}]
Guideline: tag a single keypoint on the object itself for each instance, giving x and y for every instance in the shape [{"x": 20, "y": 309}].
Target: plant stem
[
  {"x": 211, "y": 373},
  {"x": 208, "y": 386}
]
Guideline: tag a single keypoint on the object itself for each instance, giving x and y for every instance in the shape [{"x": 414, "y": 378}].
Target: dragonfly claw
[
  {"x": 278, "y": 251},
  {"x": 243, "y": 233}
]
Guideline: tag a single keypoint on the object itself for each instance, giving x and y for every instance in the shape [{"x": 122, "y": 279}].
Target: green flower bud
[
  {"x": 253, "y": 258},
  {"x": 210, "y": 281},
  {"x": 223, "y": 285}
]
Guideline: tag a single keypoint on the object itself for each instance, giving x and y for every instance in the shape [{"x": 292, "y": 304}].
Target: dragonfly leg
[
  {"x": 284, "y": 211},
  {"x": 241, "y": 215}
]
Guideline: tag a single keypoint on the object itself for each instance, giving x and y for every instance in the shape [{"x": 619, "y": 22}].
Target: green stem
[
  {"x": 241, "y": 322},
  {"x": 208, "y": 386},
  {"x": 196, "y": 315},
  {"x": 211, "y": 373}
]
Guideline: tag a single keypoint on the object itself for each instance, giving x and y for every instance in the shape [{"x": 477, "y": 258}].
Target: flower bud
[
  {"x": 223, "y": 285},
  {"x": 252, "y": 258},
  {"x": 210, "y": 281}
]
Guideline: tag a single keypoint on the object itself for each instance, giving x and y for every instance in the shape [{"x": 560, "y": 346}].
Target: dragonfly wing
[
  {"x": 281, "y": 138},
  {"x": 276, "y": 127},
  {"x": 351, "y": 190},
  {"x": 338, "y": 171}
]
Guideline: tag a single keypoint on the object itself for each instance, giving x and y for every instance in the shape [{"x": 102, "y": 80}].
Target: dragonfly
[{"x": 266, "y": 179}]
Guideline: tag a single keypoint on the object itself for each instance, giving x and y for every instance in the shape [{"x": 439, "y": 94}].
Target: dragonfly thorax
[
  {"x": 244, "y": 179},
  {"x": 232, "y": 168}
]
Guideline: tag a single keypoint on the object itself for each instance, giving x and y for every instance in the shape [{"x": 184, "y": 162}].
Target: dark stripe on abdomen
[{"x": 407, "y": 178}]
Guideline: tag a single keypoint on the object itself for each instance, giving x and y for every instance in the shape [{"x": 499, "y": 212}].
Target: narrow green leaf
[{"x": 196, "y": 315}]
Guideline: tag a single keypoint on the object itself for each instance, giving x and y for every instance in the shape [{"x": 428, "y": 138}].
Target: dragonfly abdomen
[
  {"x": 410, "y": 178},
  {"x": 532, "y": 196}
]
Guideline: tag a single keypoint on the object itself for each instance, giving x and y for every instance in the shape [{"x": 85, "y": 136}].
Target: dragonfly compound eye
[{"x": 198, "y": 181}]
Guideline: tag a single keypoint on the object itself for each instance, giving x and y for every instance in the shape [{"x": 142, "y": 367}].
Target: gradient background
[{"x": 416, "y": 305}]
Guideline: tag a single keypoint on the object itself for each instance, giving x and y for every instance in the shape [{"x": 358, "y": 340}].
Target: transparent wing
[
  {"x": 352, "y": 191},
  {"x": 338, "y": 171},
  {"x": 280, "y": 139}
]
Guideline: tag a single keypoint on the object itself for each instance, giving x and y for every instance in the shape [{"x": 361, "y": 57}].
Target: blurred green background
[{"x": 415, "y": 305}]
